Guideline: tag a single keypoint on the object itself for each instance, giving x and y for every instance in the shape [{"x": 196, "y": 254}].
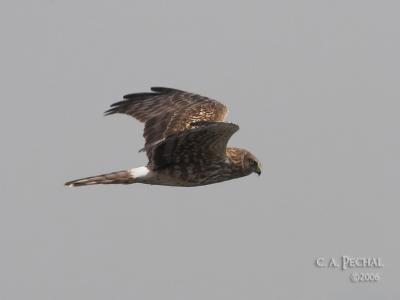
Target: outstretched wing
[
  {"x": 168, "y": 111},
  {"x": 199, "y": 146}
]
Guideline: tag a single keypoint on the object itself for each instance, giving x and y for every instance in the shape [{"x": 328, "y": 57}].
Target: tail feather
[{"x": 121, "y": 177}]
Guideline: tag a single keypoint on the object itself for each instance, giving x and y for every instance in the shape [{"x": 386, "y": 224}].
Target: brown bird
[{"x": 185, "y": 141}]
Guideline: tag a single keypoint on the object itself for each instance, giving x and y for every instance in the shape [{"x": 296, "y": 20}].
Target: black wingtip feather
[
  {"x": 118, "y": 103},
  {"x": 129, "y": 98},
  {"x": 138, "y": 96},
  {"x": 163, "y": 90},
  {"x": 110, "y": 111}
]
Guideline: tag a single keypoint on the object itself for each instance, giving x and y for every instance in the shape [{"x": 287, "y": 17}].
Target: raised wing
[
  {"x": 168, "y": 111},
  {"x": 199, "y": 146}
]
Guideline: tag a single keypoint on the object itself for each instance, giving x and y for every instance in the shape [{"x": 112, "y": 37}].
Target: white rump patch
[{"x": 139, "y": 172}]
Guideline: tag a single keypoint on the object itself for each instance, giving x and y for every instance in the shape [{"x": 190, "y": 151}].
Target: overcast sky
[{"x": 314, "y": 87}]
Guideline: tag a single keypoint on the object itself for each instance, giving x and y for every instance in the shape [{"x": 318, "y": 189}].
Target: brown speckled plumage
[{"x": 185, "y": 141}]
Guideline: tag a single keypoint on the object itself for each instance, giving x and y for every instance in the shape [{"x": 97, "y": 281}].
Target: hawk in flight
[{"x": 185, "y": 141}]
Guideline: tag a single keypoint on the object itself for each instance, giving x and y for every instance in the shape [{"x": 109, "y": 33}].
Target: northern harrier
[{"x": 185, "y": 141}]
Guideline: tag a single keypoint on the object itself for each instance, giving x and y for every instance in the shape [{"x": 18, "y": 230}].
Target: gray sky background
[{"x": 314, "y": 86}]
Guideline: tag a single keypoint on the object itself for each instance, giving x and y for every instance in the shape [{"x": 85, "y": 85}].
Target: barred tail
[{"x": 122, "y": 177}]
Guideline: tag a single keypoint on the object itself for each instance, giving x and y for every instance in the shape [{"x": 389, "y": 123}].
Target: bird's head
[{"x": 251, "y": 163}]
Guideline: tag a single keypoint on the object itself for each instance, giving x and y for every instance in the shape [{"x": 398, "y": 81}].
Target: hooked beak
[{"x": 258, "y": 170}]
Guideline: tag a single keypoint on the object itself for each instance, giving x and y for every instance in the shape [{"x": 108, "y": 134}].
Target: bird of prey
[{"x": 185, "y": 141}]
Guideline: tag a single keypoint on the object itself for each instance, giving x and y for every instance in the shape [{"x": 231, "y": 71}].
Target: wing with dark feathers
[
  {"x": 200, "y": 146},
  {"x": 168, "y": 111}
]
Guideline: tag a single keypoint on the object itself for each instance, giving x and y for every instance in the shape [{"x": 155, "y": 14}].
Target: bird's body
[
  {"x": 185, "y": 141},
  {"x": 193, "y": 175}
]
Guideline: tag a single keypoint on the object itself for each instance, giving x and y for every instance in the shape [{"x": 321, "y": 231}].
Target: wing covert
[{"x": 205, "y": 143}]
